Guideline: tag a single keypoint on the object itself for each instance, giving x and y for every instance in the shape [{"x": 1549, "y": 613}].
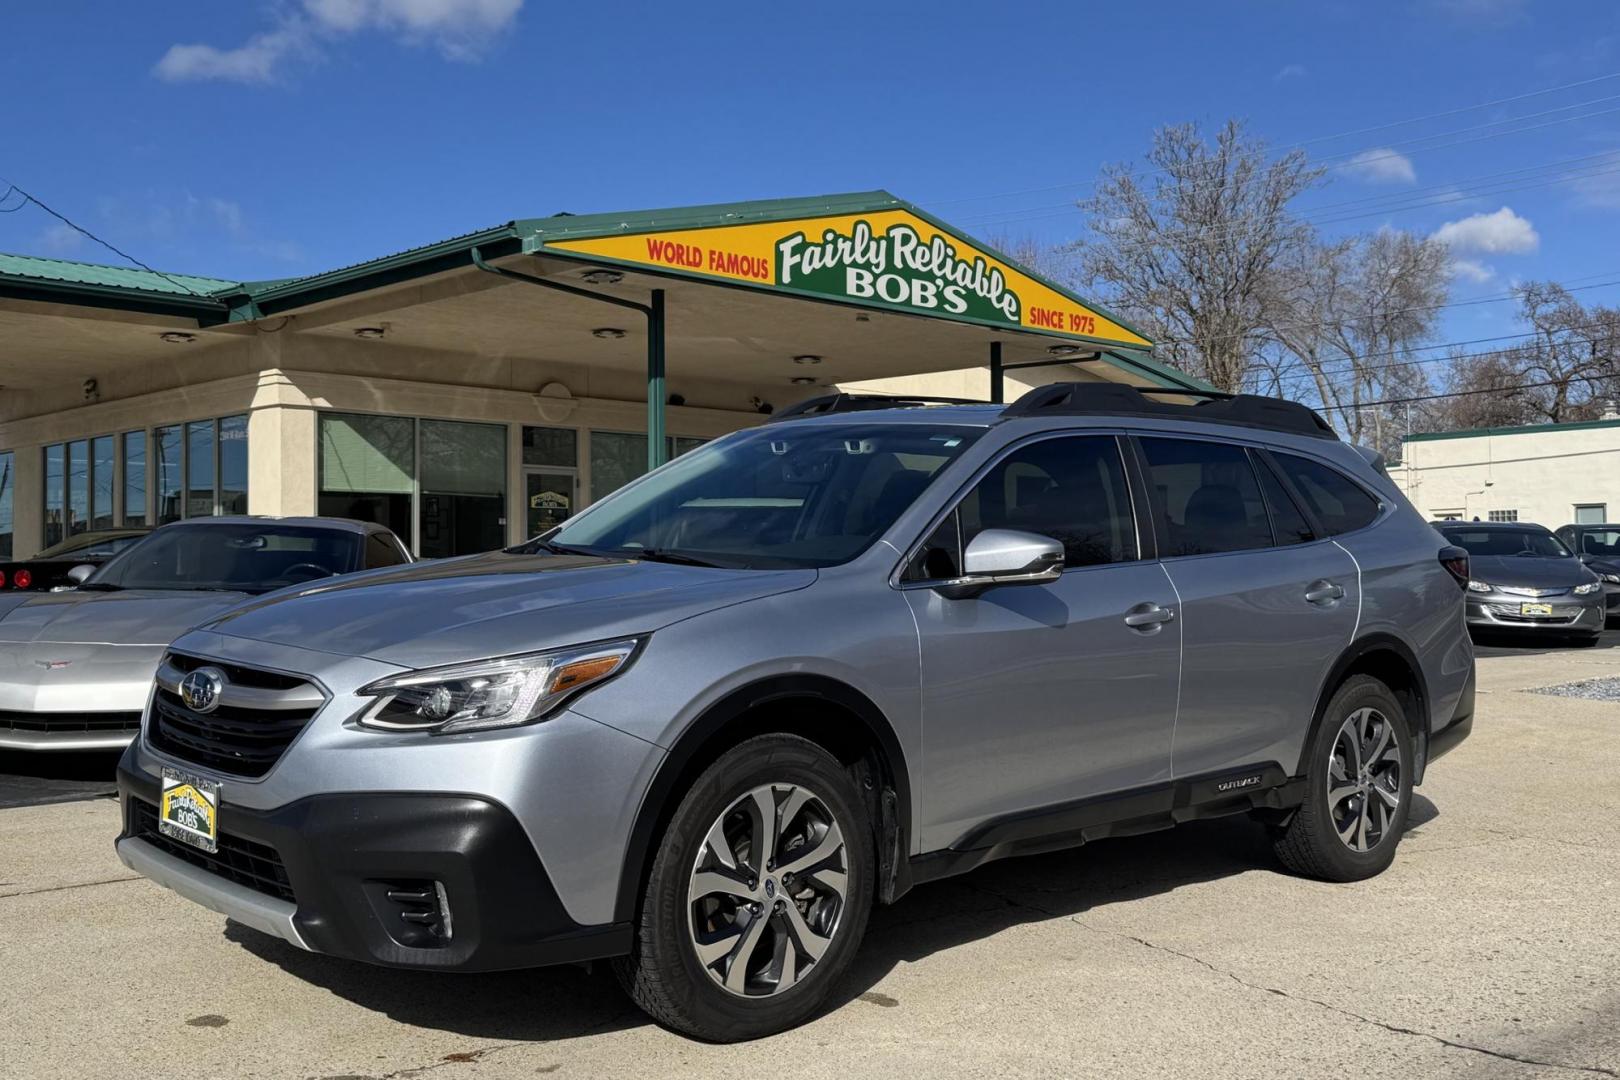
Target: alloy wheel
[
  {"x": 1365, "y": 772},
  {"x": 768, "y": 889}
]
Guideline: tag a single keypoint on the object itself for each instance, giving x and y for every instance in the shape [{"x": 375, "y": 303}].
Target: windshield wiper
[
  {"x": 664, "y": 555},
  {"x": 564, "y": 549},
  {"x": 98, "y": 586}
]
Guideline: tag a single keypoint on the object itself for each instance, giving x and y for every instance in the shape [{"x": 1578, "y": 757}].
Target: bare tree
[
  {"x": 1483, "y": 390},
  {"x": 1350, "y": 314},
  {"x": 1574, "y": 348},
  {"x": 1187, "y": 249}
]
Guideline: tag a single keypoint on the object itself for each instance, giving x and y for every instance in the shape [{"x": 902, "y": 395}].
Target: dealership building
[
  {"x": 1549, "y": 474},
  {"x": 472, "y": 392}
]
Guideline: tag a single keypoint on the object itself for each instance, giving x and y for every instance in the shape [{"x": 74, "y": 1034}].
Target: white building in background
[{"x": 1550, "y": 474}]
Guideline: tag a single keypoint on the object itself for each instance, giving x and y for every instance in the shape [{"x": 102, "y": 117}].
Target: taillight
[
  {"x": 22, "y": 579},
  {"x": 1455, "y": 560},
  {"x": 2, "y": 579}
]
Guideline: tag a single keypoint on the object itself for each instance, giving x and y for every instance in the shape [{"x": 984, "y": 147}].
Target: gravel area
[{"x": 1606, "y": 689}]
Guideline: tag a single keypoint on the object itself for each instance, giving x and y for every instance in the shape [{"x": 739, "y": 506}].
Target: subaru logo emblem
[{"x": 200, "y": 689}]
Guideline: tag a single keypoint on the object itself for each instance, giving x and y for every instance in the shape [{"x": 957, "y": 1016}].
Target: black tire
[
  {"x": 664, "y": 975},
  {"x": 1310, "y": 844}
]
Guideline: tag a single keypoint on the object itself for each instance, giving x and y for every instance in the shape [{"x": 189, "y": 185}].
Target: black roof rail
[
  {"x": 839, "y": 403},
  {"x": 1212, "y": 407}
]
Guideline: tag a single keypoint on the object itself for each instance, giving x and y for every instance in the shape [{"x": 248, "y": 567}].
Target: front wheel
[
  {"x": 1359, "y": 787},
  {"x": 758, "y": 897}
]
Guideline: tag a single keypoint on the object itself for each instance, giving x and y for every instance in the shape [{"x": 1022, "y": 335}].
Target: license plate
[
  {"x": 1535, "y": 609},
  {"x": 188, "y": 809}
]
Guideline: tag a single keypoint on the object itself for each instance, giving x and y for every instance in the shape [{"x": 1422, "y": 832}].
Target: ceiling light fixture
[
  {"x": 802, "y": 380},
  {"x": 178, "y": 337},
  {"x": 370, "y": 333},
  {"x": 807, "y": 359},
  {"x": 611, "y": 332},
  {"x": 603, "y": 277}
]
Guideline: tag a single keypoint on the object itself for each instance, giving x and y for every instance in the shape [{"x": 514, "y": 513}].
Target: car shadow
[
  {"x": 32, "y": 778},
  {"x": 555, "y": 1004}
]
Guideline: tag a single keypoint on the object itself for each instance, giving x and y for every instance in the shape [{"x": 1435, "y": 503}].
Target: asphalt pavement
[{"x": 1490, "y": 949}]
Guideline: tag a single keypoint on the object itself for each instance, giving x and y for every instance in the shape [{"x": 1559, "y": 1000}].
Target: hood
[
  {"x": 1604, "y": 564},
  {"x": 136, "y": 617},
  {"x": 1528, "y": 571},
  {"x": 452, "y": 610}
]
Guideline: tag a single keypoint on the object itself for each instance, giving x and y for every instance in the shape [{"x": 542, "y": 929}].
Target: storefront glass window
[
  {"x": 367, "y": 467},
  {"x": 233, "y": 465},
  {"x": 78, "y": 497},
  {"x": 168, "y": 442},
  {"x": 102, "y": 474},
  {"x": 551, "y": 446},
  {"x": 200, "y": 468},
  {"x": 617, "y": 457},
  {"x": 6, "y": 525},
  {"x": 55, "y": 472},
  {"x": 134, "y": 478},
  {"x": 463, "y": 507}
]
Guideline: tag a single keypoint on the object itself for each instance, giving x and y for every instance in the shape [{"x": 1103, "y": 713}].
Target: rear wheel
[
  {"x": 1359, "y": 787},
  {"x": 758, "y": 897}
]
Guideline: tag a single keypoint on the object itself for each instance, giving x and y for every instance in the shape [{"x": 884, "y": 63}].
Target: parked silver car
[
  {"x": 76, "y": 667},
  {"x": 1524, "y": 580},
  {"x": 703, "y": 726}
]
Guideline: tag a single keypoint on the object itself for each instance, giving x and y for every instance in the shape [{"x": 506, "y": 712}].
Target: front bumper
[
  {"x": 1570, "y": 615},
  {"x": 325, "y": 873},
  {"x": 39, "y": 731}
]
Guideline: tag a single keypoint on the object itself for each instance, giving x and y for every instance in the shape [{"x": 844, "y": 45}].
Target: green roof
[
  {"x": 64, "y": 271},
  {"x": 1527, "y": 429},
  {"x": 215, "y": 300}
]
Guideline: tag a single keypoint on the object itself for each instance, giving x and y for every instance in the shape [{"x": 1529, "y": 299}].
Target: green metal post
[
  {"x": 657, "y": 450},
  {"x": 997, "y": 393}
]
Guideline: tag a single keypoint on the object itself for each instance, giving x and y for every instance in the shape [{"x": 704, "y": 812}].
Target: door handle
[
  {"x": 1148, "y": 616},
  {"x": 1324, "y": 592}
]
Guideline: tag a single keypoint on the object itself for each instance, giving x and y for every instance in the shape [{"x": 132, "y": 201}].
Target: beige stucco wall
[
  {"x": 973, "y": 383},
  {"x": 1541, "y": 474}
]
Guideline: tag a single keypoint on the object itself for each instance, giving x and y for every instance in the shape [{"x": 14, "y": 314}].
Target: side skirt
[{"x": 1261, "y": 787}]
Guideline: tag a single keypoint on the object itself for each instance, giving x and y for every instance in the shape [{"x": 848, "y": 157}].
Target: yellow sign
[{"x": 888, "y": 258}]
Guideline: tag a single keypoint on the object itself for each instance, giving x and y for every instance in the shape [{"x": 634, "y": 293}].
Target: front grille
[
  {"x": 240, "y": 676},
  {"x": 244, "y": 861},
  {"x": 72, "y": 723},
  {"x": 1511, "y": 613},
  {"x": 243, "y": 742}
]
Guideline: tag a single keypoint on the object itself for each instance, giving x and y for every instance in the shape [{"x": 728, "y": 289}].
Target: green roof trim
[
  {"x": 214, "y": 300},
  {"x": 1527, "y": 429}
]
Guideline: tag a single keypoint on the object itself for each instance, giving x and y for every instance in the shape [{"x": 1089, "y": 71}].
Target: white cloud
[
  {"x": 460, "y": 29},
  {"x": 1289, "y": 71},
  {"x": 1471, "y": 270},
  {"x": 60, "y": 239},
  {"x": 1599, "y": 183},
  {"x": 1382, "y": 167},
  {"x": 1499, "y": 233}
]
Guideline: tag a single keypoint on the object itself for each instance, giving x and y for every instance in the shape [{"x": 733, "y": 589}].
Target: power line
[
  {"x": 1321, "y": 138},
  {"x": 1412, "y": 400},
  {"x": 86, "y": 232}
]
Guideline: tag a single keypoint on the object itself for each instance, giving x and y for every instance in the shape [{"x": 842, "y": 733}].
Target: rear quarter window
[{"x": 1340, "y": 504}]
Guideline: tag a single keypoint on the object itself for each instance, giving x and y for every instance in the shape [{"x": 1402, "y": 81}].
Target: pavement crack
[
  {"x": 1395, "y": 1029},
  {"x": 66, "y": 888}
]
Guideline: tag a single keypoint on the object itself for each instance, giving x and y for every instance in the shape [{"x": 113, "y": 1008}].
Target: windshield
[
  {"x": 237, "y": 556},
  {"x": 1604, "y": 543},
  {"x": 90, "y": 546},
  {"x": 783, "y": 495},
  {"x": 1508, "y": 542}
]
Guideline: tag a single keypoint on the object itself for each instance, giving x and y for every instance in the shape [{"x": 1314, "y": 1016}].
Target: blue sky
[{"x": 267, "y": 138}]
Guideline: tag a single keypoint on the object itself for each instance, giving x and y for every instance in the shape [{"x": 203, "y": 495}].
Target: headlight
[
  {"x": 1588, "y": 589},
  {"x": 1480, "y": 586},
  {"x": 491, "y": 693},
  {"x": 1612, "y": 579}
]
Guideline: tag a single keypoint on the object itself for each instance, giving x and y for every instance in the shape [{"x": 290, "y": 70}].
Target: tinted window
[
  {"x": 1072, "y": 490},
  {"x": 1483, "y": 540},
  {"x": 1287, "y": 522},
  {"x": 1208, "y": 495},
  {"x": 381, "y": 551},
  {"x": 1604, "y": 542},
  {"x": 250, "y": 557},
  {"x": 1338, "y": 502}
]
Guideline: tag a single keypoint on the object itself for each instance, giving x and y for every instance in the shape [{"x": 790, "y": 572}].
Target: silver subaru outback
[{"x": 704, "y": 726}]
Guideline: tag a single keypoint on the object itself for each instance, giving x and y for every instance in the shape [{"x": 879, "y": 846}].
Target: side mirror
[
  {"x": 1005, "y": 557},
  {"x": 1585, "y": 556},
  {"x": 80, "y": 573}
]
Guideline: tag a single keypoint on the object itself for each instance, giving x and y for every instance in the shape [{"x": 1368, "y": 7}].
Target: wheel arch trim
[
  {"x": 1371, "y": 645},
  {"x": 678, "y": 768}
]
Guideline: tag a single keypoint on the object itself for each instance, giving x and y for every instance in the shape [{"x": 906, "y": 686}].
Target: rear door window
[
  {"x": 1339, "y": 503},
  {"x": 1287, "y": 522},
  {"x": 1208, "y": 497}
]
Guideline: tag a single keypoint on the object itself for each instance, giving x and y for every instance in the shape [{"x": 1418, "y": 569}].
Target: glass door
[{"x": 550, "y": 497}]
